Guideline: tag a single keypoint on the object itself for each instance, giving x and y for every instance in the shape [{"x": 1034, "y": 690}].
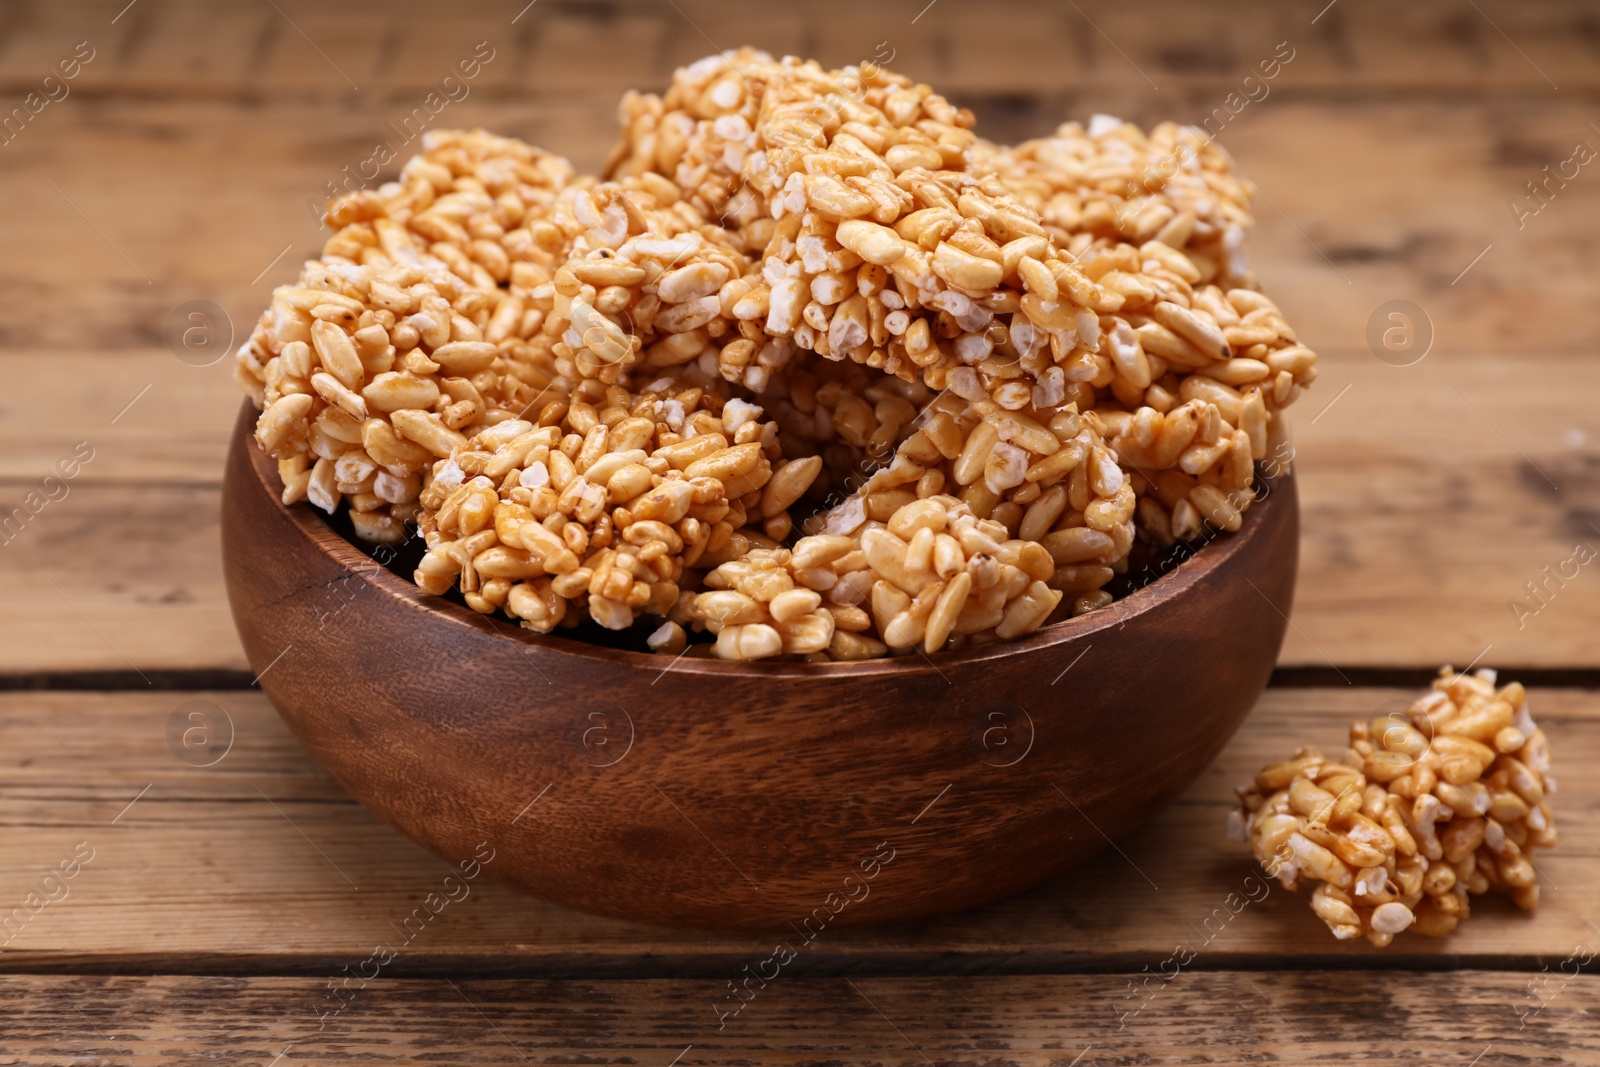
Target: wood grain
[
  {"x": 1217, "y": 1017},
  {"x": 119, "y": 578},
  {"x": 241, "y": 868},
  {"x": 156, "y": 49}
]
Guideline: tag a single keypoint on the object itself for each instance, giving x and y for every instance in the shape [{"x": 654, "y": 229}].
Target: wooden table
[{"x": 222, "y": 902}]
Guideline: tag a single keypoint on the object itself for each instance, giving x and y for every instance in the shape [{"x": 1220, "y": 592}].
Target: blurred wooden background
[{"x": 182, "y": 163}]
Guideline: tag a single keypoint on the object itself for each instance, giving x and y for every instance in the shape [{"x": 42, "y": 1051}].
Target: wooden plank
[
  {"x": 172, "y": 420},
  {"x": 1432, "y": 495},
  {"x": 191, "y": 48},
  {"x": 1435, "y": 184},
  {"x": 1346, "y": 47},
  {"x": 1222, "y": 1017},
  {"x": 259, "y": 863},
  {"x": 117, "y": 578}
]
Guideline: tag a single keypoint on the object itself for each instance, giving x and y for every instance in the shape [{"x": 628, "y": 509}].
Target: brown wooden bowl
[{"x": 714, "y": 794}]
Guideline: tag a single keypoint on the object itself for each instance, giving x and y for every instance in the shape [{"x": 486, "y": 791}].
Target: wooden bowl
[{"x": 704, "y": 793}]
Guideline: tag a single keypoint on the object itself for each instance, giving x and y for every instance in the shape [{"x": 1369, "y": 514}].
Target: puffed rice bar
[
  {"x": 596, "y": 510},
  {"x": 401, "y": 342},
  {"x": 1426, "y": 808},
  {"x": 933, "y": 574}
]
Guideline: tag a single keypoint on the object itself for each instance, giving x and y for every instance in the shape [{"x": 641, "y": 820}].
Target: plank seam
[
  {"x": 648, "y": 966},
  {"x": 220, "y": 679}
]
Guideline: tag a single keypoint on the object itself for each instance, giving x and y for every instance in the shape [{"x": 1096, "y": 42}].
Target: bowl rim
[{"x": 1181, "y": 579}]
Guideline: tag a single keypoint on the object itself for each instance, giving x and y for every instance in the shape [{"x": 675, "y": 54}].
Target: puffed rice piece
[
  {"x": 1163, "y": 221},
  {"x": 596, "y": 510},
  {"x": 409, "y": 334},
  {"x": 934, "y": 575},
  {"x": 852, "y": 416},
  {"x": 1176, "y": 185},
  {"x": 1426, "y": 808},
  {"x": 1190, "y": 427},
  {"x": 884, "y": 238},
  {"x": 649, "y": 283},
  {"x": 1045, "y": 477}
]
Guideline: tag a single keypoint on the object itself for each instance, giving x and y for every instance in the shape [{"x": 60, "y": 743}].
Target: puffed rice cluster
[
  {"x": 802, "y": 302},
  {"x": 1426, "y": 807}
]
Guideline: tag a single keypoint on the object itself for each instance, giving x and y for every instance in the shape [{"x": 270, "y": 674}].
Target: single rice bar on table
[{"x": 1445, "y": 800}]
